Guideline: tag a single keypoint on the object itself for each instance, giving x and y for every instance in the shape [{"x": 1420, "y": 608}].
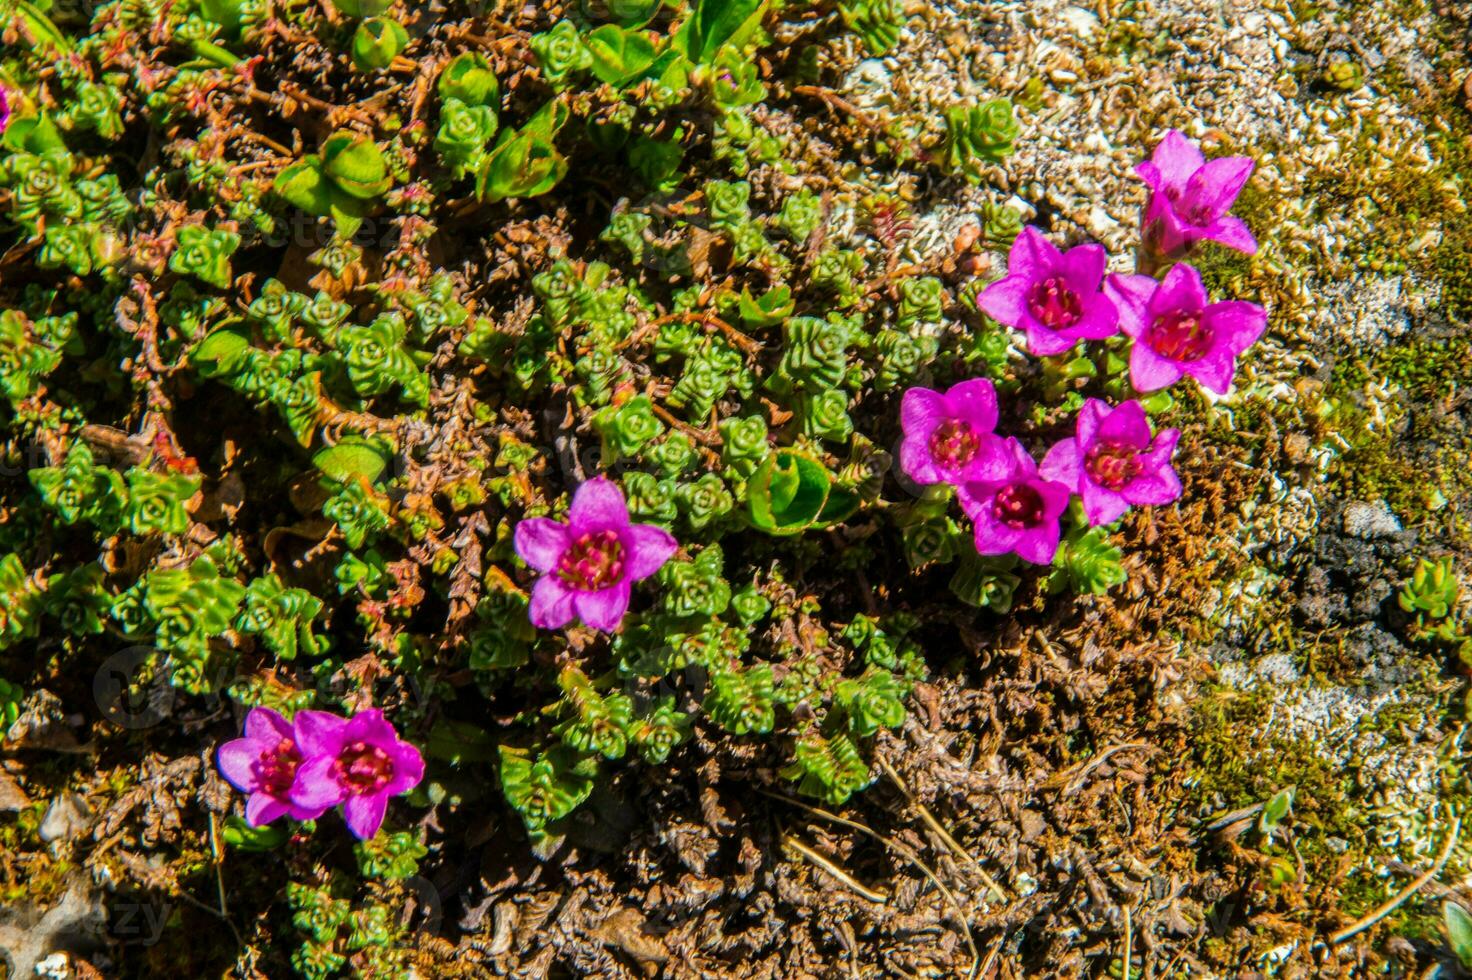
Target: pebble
[{"x": 1366, "y": 520}]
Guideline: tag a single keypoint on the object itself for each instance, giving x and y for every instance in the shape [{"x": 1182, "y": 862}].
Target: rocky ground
[{"x": 1092, "y": 792}]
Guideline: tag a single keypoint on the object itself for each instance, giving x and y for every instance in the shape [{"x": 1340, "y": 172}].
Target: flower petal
[
  {"x": 1102, "y": 505},
  {"x": 647, "y": 548},
  {"x": 1039, "y": 544},
  {"x": 918, "y": 464},
  {"x": 1006, "y": 300},
  {"x": 551, "y": 606},
  {"x": 261, "y": 809},
  {"x": 1033, "y": 256},
  {"x": 1176, "y": 159},
  {"x": 1160, "y": 487},
  {"x": 1214, "y": 187},
  {"x": 1090, "y": 417},
  {"x": 1236, "y": 324},
  {"x": 1100, "y": 319},
  {"x": 1151, "y": 372},
  {"x": 315, "y": 786},
  {"x": 1231, "y": 232},
  {"x": 1083, "y": 267},
  {"x": 1131, "y": 297},
  {"x": 604, "y": 609},
  {"x": 237, "y": 760},
  {"x": 1127, "y": 425},
  {"x": 1181, "y": 291},
  {"x": 974, "y": 402},
  {"x": 319, "y": 733},
  {"x": 1042, "y": 342},
  {"x": 921, "y": 410},
  {"x": 364, "y": 814},
  {"x": 408, "y": 768},
  {"x": 597, "y": 505},
  {"x": 369, "y": 725},
  {"x": 540, "y": 541},
  {"x": 1062, "y": 464},
  {"x": 1161, "y": 450},
  {"x": 993, "y": 461},
  {"x": 990, "y": 535},
  {"x": 267, "y": 725},
  {"x": 1215, "y": 371}
]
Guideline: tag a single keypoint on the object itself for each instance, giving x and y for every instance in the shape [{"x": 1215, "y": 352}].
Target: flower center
[
  {"x": 1054, "y": 303},
  {"x": 363, "y": 768},
  {"x": 1180, "y": 336},
  {"x": 592, "y": 562},
  {"x": 1112, "y": 464},
  {"x": 276, "y": 769},
  {"x": 953, "y": 444},
  {"x": 1018, "y": 506}
]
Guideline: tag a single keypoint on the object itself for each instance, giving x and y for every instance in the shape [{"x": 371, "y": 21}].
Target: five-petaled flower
[
  {"x": 1190, "y": 197},
  {"x": 949, "y": 436},
  {"x": 264, "y": 763},
  {"x": 1054, "y": 297},
  {"x": 589, "y": 564},
  {"x": 359, "y": 762},
  {"x": 1177, "y": 332},
  {"x": 1113, "y": 461},
  {"x": 1018, "y": 511}
]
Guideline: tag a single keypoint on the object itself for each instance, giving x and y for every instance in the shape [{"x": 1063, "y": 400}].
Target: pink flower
[
  {"x": 1017, "y": 511},
  {"x": 4, "y": 108},
  {"x": 264, "y": 764},
  {"x": 590, "y": 563},
  {"x": 1113, "y": 462},
  {"x": 949, "y": 437},
  {"x": 1190, "y": 197},
  {"x": 1054, "y": 297},
  {"x": 1176, "y": 331},
  {"x": 359, "y": 762}
]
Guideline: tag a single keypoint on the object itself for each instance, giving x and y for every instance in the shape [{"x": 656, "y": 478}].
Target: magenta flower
[
  {"x": 949, "y": 437},
  {"x": 264, "y": 764},
  {"x": 590, "y": 563},
  {"x": 359, "y": 762},
  {"x": 1017, "y": 511},
  {"x": 1190, "y": 197},
  {"x": 1113, "y": 461},
  {"x": 1177, "y": 332},
  {"x": 4, "y": 108},
  {"x": 1054, "y": 297}
]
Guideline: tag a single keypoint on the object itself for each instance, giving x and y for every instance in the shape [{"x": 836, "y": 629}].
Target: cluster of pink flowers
[
  {"x": 1112, "y": 461},
  {"x": 305, "y": 767},
  {"x": 1057, "y": 299}
]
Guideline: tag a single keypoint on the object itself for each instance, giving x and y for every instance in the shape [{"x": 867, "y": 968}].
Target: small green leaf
[
  {"x": 619, "y": 54},
  {"x": 787, "y": 493},
  {"x": 1458, "y": 932},
  {"x": 354, "y": 456}
]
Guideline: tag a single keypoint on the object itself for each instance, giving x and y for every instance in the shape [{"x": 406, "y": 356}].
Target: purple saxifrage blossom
[
  {"x": 949, "y": 437},
  {"x": 1190, "y": 197},
  {"x": 263, "y": 763},
  {"x": 4, "y": 108},
  {"x": 589, "y": 564},
  {"x": 1053, "y": 297},
  {"x": 1177, "y": 332},
  {"x": 1017, "y": 511},
  {"x": 1113, "y": 461},
  {"x": 359, "y": 762}
]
